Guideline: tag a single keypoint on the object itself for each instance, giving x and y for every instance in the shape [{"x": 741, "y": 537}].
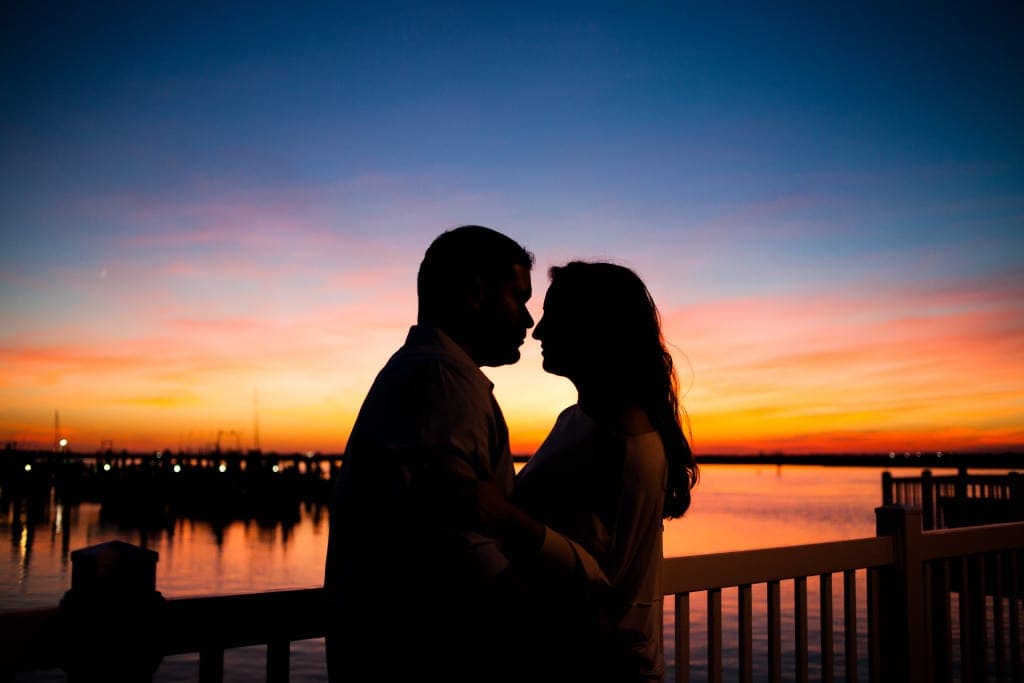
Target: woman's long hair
[{"x": 615, "y": 304}]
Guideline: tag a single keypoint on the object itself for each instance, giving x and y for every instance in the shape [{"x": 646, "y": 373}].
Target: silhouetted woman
[{"x": 616, "y": 463}]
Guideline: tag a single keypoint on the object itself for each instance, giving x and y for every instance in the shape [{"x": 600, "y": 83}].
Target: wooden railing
[
  {"x": 915, "y": 581},
  {"x": 961, "y": 499},
  {"x": 941, "y": 606},
  {"x": 742, "y": 570}
]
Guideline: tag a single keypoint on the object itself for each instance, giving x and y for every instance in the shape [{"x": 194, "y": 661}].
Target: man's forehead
[{"x": 521, "y": 279}]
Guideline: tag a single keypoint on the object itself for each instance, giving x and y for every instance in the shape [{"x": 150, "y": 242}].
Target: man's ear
[{"x": 476, "y": 293}]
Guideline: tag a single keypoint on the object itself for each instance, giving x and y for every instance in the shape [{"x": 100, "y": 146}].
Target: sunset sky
[{"x": 213, "y": 214}]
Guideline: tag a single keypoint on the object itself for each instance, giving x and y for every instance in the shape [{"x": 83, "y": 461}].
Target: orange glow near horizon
[
  {"x": 841, "y": 374},
  {"x": 766, "y": 376}
]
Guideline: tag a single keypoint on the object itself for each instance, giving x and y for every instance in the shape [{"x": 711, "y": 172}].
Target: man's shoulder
[
  {"x": 424, "y": 361},
  {"x": 429, "y": 357},
  {"x": 421, "y": 377}
]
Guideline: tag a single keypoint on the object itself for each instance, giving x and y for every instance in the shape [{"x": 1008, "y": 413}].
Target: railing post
[
  {"x": 110, "y": 618},
  {"x": 927, "y": 501},
  {"x": 903, "y": 628},
  {"x": 886, "y": 488}
]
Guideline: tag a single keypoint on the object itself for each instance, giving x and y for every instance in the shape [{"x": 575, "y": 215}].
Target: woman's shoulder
[
  {"x": 620, "y": 420},
  {"x": 632, "y": 421}
]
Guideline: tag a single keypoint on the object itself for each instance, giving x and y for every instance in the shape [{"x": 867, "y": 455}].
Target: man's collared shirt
[{"x": 430, "y": 405}]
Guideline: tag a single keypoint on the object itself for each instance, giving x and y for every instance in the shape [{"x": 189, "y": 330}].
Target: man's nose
[{"x": 529, "y": 319}]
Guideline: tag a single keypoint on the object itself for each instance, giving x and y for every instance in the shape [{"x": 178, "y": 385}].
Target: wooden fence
[
  {"x": 916, "y": 581},
  {"x": 958, "y": 500},
  {"x": 942, "y": 606}
]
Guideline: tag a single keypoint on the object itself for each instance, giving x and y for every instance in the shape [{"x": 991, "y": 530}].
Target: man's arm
[{"x": 526, "y": 539}]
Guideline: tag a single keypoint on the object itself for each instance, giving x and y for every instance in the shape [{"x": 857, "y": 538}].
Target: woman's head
[
  {"x": 602, "y": 330},
  {"x": 600, "y": 325}
]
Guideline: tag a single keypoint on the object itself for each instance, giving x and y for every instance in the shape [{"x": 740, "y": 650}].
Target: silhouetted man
[{"x": 409, "y": 597}]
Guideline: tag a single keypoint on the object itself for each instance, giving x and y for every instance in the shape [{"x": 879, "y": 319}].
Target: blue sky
[{"x": 259, "y": 163}]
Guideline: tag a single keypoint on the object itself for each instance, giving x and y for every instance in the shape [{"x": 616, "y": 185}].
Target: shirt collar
[{"x": 426, "y": 335}]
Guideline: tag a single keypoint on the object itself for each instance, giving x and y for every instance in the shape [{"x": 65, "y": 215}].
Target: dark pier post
[
  {"x": 961, "y": 484},
  {"x": 904, "y": 652},
  {"x": 927, "y": 500},
  {"x": 887, "y": 488},
  {"x": 110, "y": 619}
]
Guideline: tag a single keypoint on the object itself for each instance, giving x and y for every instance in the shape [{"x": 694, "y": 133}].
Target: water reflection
[
  {"x": 25, "y": 515},
  {"x": 166, "y": 502},
  {"x": 213, "y": 540},
  {"x": 241, "y": 552}
]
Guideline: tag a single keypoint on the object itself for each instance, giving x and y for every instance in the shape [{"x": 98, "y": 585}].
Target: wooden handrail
[
  {"x": 719, "y": 570},
  {"x": 228, "y": 621},
  {"x": 950, "y": 543}
]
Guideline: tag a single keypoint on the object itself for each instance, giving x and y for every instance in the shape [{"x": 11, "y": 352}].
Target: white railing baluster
[
  {"x": 850, "y": 623},
  {"x": 825, "y": 600},
  {"x": 682, "y": 637},
  {"x": 1013, "y": 592},
  {"x": 211, "y": 665},
  {"x": 964, "y": 599},
  {"x": 800, "y": 626},
  {"x": 774, "y": 633},
  {"x": 874, "y": 615},
  {"x": 278, "y": 660},
  {"x": 746, "y": 634},
  {"x": 714, "y": 625},
  {"x": 941, "y": 641}
]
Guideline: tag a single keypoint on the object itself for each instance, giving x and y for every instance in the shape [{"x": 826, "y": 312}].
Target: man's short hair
[{"x": 460, "y": 255}]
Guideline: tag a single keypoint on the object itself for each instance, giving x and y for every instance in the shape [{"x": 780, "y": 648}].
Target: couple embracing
[{"x": 442, "y": 562}]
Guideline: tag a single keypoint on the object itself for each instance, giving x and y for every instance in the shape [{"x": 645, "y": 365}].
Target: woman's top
[{"x": 606, "y": 491}]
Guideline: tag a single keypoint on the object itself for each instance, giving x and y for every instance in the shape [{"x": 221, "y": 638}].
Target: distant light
[
  {"x": 276, "y": 468},
  {"x": 177, "y": 468},
  {"x": 939, "y": 454},
  {"x": 63, "y": 443},
  {"x": 223, "y": 468},
  {"x": 892, "y": 454},
  {"x": 159, "y": 454},
  {"x": 28, "y": 467},
  {"x": 310, "y": 454},
  {"x": 106, "y": 467}
]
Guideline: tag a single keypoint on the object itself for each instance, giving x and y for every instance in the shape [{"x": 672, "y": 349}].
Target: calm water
[{"x": 736, "y": 507}]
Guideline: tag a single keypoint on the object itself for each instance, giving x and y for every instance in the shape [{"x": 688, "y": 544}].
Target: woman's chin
[{"x": 552, "y": 368}]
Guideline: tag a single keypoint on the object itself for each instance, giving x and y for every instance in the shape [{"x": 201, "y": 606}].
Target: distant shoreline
[
  {"x": 915, "y": 460},
  {"x": 902, "y": 460},
  {"x": 923, "y": 460}
]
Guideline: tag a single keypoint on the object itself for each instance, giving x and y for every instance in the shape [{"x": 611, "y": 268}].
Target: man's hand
[{"x": 518, "y": 532}]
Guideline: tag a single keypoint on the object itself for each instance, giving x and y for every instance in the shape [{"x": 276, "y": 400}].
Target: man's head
[{"x": 473, "y": 284}]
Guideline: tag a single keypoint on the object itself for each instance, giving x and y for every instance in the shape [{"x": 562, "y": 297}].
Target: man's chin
[{"x": 506, "y": 358}]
